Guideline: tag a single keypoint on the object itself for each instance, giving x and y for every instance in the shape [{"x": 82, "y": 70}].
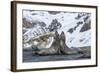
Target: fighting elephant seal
[
  {"x": 64, "y": 48},
  {"x": 53, "y": 49}
]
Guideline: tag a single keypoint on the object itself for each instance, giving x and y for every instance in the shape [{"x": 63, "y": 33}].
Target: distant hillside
[{"x": 76, "y": 26}]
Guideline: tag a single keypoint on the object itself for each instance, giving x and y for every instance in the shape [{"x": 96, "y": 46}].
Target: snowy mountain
[{"x": 76, "y": 26}]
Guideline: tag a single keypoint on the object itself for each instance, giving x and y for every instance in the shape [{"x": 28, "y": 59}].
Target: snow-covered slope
[{"x": 75, "y": 25}]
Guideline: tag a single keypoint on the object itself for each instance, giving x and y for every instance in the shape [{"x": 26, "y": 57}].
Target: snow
[
  {"x": 27, "y": 46},
  {"x": 67, "y": 19}
]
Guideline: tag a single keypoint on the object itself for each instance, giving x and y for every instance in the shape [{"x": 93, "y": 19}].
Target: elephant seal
[
  {"x": 54, "y": 48},
  {"x": 64, "y": 48}
]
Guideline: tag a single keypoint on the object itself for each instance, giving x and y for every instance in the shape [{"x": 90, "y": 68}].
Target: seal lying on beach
[{"x": 58, "y": 46}]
